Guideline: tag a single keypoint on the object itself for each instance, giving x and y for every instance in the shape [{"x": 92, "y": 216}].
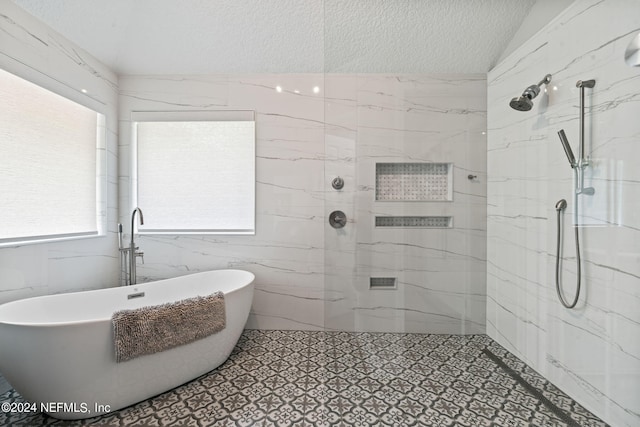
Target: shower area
[
  {"x": 411, "y": 150},
  {"x": 409, "y": 235}
]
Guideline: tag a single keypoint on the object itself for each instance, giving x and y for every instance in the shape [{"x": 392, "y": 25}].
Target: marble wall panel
[
  {"x": 287, "y": 252},
  {"x": 440, "y": 272},
  {"x": 590, "y": 352},
  {"x": 309, "y": 275}
]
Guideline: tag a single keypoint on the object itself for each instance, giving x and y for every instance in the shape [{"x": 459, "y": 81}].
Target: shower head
[
  {"x": 521, "y": 103},
  {"x": 524, "y": 103},
  {"x": 561, "y": 205},
  {"x": 567, "y": 148}
]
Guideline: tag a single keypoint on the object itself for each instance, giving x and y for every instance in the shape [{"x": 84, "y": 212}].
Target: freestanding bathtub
[{"x": 57, "y": 351}]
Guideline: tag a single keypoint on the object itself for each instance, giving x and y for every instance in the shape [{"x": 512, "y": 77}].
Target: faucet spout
[
  {"x": 133, "y": 253},
  {"x": 133, "y": 217}
]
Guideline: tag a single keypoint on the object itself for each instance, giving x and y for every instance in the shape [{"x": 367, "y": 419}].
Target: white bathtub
[{"x": 57, "y": 351}]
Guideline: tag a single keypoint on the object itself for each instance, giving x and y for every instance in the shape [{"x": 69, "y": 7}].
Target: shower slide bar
[
  {"x": 578, "y": 168},
  {"x": 581, "y": 164}
]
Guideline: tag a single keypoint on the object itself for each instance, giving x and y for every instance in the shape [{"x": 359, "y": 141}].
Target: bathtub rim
[{"x": 241, "y": 284}]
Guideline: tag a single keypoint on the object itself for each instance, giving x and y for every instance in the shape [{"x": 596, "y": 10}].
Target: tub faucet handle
[{"x": 141, "y": 255}]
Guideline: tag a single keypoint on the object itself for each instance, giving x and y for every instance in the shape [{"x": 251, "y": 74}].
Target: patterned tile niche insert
[
  {"x": 413, "y": 221},
  {"x": 413, "y": 182},
  {"x": 302, "y": 378}
]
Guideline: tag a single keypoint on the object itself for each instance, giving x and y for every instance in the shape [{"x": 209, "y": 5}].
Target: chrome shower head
[
  {"x": 524, "y": 103},
  {"x": 521, "y": 103},
  {"x": 561, "y": 205}
]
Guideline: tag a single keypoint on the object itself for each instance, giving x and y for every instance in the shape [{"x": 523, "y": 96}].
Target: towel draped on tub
[{"x": 151, "y": 329}]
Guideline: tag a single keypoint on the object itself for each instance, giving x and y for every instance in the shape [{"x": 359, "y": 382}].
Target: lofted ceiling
[{"x": 287, "y": 36}]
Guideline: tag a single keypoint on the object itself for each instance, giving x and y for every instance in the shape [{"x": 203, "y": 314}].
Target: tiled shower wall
[
  {"x": 33, "y": 51},
  {"x": 593, "y": 351},
  {"x": 439, "y": 272},
  {"x": 308, "y": 275}
]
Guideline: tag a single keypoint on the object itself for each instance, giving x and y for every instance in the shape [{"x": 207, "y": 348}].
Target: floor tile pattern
[{"x": 302, "y": 378}]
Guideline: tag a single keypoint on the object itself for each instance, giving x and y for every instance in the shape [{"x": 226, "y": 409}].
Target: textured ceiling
[{"x": 217, "y": 36}]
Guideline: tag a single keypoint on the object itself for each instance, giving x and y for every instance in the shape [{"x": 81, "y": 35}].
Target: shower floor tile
[{"x": 301, "y": 378}]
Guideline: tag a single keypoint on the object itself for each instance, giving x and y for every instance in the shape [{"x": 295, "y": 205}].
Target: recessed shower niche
[{"x": 414, "y": 182}]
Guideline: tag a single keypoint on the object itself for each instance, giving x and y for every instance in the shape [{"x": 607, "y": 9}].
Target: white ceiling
[{"x": 219, "y": 36}]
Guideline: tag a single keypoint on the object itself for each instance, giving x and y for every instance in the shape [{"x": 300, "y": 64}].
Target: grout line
[{"x": 531, "y": 389}]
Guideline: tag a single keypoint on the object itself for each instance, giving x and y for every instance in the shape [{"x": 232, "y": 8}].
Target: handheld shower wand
[
  {"x": 567, "y": 148},
  {"x": 578, "y": 171}
]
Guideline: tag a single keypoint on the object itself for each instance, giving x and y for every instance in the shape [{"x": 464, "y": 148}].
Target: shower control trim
[
  {"x": 337, "y": 219},
  {"x": 337, "y": 183}
]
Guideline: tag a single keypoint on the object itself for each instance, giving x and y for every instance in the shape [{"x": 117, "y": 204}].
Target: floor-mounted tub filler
[{"x": 59, "y": 353}]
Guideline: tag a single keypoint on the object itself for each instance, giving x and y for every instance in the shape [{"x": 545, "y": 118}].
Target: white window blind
[
  {"x": 196, "y": 172},
  {"x": 48, "y": 159}
]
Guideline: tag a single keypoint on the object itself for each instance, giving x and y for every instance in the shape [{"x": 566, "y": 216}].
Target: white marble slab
[
  {"x": 287, "y": 252},
  {"x": 590, "y": 352},
  {"x": 440, "y": 272},
  {"x": 309, "y": 275}
]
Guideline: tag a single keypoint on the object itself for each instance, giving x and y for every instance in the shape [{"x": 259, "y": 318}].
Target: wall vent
[
  {"x": 382, "y": 283},
  {"x": 414, "y": 221},
  {"x": 422, "y": 182}
]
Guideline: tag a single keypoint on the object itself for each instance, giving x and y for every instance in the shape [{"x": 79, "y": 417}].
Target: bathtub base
[{"x": 68, "y": 368}]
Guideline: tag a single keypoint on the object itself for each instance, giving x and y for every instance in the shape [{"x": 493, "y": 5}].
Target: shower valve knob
[
  {"x": 337, "y": 183},
  {"x": 337, "y": 219}
]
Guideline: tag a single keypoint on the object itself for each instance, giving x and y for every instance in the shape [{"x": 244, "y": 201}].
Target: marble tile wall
[
  {"x": 33, "y": 51},
  {"x": 593, "y": 351},
  {"x": 287, "y": 252},
  {"x": 440, "y": 272},
  {"x": 309, "y": 275}
]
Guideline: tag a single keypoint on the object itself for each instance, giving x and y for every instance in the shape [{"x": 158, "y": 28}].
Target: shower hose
[{"x": 560, "y": 209}]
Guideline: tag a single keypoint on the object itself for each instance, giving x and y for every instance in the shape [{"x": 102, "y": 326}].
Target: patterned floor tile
[{"x": 302, "y": 378}]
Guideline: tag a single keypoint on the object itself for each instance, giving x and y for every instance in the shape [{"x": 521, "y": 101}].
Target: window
[
  {"x": 195, "y": 172},
  {"x": 51, "y": 176}
]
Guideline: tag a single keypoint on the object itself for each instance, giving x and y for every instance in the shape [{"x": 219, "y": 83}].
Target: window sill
[{"x": 36, "y": 240}]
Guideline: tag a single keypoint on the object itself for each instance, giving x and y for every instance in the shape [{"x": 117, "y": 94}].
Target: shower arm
[{"x": 545, "y": 81}]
